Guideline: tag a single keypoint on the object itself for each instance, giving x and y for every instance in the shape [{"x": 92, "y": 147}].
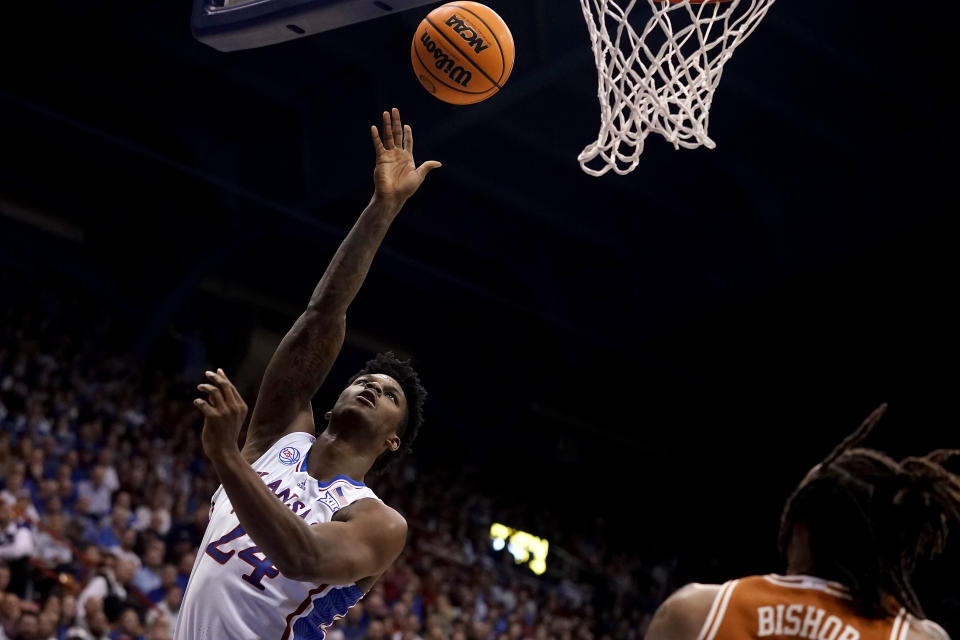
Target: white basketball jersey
[{"x": 235, "y": 592}]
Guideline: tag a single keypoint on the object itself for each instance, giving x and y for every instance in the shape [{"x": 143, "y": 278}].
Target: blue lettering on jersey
[
  {"x": 289, "y": 456},
  {"x": 330, "y": 501},
  {"x": 284, "y": 495}
]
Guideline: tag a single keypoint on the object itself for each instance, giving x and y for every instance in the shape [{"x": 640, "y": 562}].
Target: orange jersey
[{"x": 790, "y": 607}]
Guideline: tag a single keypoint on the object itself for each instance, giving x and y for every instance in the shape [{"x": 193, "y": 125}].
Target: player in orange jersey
[{"x": 851, "y": 534}]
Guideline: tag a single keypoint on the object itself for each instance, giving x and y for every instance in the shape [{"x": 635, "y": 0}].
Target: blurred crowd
[{"x": 105, "y": 494}]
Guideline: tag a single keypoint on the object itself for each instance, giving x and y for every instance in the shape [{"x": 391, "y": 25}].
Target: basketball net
[{"x": 663, "y": 78}]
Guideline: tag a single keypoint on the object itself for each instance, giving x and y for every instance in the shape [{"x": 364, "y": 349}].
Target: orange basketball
[{"x": 462, "y": 52}]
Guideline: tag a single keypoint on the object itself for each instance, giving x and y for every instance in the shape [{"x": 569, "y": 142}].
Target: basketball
[{"x": 462, "y": 52}]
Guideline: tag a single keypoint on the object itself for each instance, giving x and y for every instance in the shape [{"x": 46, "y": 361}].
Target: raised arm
[
  {"x": 364, "y": 539},
  {"x": 306, "y": 354}
]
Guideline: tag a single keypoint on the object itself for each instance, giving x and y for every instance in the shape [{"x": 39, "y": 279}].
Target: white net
[{"x": 660, "y": 79}]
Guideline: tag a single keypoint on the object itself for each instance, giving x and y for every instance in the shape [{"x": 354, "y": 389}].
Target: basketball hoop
[{"x": 661, "y": 79}]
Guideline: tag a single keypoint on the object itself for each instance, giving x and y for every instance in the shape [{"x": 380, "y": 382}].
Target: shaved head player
[
  {"x": 851, "y": 533},
  {"x": 295, "y": 538}
]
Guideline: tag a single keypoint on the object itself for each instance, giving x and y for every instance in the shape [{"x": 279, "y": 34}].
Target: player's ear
[
  {"x": 328, "y": 415},
  {"x": 393, "y": 442}
]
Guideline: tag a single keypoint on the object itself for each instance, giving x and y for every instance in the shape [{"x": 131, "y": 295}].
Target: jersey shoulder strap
[
  {"x": 717, "y": 610},
  {"x": 288, "y": 451}
]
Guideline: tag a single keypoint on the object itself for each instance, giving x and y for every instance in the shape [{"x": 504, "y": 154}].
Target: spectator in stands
[
  {"x": 16, "y": 548},
  {"x": 47, "y": 626},
  {"x": 66, "y": 490},
  {"x": 68, "y": 611},
  {"x": 159, "y": 629},
  {"x": 128, "y": 625},
  {"x": 128, "y": 542},
  {"x": 9, "y": 613},
  {"x": 355, "y": 624},
  {"x": 17, "y": 493},
  {"x": 83, "y": 520},
  {"x": 96, "y": 492},
  {"x": 168, "y": 577},
  {"x": 185, "y": 536},
  {"x": 147, "y": 579},
  {"x": 169, "y": 608},
  {"x": 155, "y": 516},
  {"x": 46, "y": 494},
  {"x": 184, "y": 567},
  {"x": 4, "y": 439},
  {"x": 13, "y": 487},
  {"x": 94, "y": 626},
  {"x": 376, "y": 631},
  {"x": 27, "y": 627},
  {"x": 105, "y": 459},
  {"x": 52, "y": 548},
  {"x": 109, "y": 587}
]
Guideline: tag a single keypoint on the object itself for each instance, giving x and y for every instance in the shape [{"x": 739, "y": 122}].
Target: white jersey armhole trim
[
  {"x": 283, "y": 439},
  {"x": 897, "y": 625},
  {"x": 905, "y": 628},
  {"x": 717, "y": 610}
]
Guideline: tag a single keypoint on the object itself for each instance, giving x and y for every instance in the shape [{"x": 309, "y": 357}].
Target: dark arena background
[{"x": 638, "y": 369}]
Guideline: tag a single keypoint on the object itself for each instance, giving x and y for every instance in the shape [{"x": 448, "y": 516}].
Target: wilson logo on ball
[
  {"x": 468, "y": 33},
  {"x": 445, "y": 63},
  {"x": 462, "y": 52}
]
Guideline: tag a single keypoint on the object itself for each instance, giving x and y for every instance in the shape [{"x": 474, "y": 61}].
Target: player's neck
[
  {"x": 799, "y": 556},
  {"x": 332, "y": 456},
  {"x": 800, "y": 569},
  {"x": 800, "y": 563}
]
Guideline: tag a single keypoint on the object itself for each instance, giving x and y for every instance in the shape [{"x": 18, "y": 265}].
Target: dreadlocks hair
[
  {"x": 403, "y": 372},
  {"x": 871, "y": 519}
]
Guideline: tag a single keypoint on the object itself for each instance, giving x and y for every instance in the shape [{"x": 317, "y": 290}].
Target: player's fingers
[
  {"x": 214, "y": 394},
  {"x": 397, "y": 128},
  {"x": 225, "y": 383},
  {"x": 204, "y": 407},
  {"x": 427, "y": 167},
  {"x": 213, "y": 378},
  {"x": 231, "y": 389},
  {"x": 375, "y": 135},
  {"x": 407, "y": 138},
  {"x": 214, "y": 397},
  {"x": 218, "y": 378},
  {"x": 387, "y": 135}
]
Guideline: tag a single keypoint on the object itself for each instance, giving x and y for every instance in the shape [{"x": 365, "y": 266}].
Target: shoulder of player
[
  {"x": 261, "y": 439},
  {"x": 374, "y": 512},
  {"x": 684, "y": 612},
  {"x": 927, "y": 630}
]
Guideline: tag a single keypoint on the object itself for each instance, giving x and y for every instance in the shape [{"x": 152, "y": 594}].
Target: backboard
[{"x": 232, "y": 25}]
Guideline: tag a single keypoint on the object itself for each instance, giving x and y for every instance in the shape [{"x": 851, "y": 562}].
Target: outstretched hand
[
  {"x": 223, "y": 413},
  {"x": 396, "y": 176}
]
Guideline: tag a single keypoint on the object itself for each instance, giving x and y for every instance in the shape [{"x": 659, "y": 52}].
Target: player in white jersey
[{"x": 295, "y": 538}]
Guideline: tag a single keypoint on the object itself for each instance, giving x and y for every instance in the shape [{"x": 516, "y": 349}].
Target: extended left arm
[
  {"x": 305, "y": 355},
  {"x": 362, "y": 545}
]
